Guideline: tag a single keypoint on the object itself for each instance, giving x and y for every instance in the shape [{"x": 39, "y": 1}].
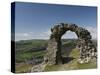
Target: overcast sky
[{"x": 34, "y": 21}]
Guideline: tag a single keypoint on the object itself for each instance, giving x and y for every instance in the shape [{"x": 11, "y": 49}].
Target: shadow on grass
[{"x": 67, "y": 59}]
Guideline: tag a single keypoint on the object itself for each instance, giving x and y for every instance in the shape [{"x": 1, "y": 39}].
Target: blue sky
[{"x": 33, "y": 20}]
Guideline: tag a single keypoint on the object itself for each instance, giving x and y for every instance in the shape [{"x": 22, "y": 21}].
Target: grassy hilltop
[{"x": 31, "y": 52}]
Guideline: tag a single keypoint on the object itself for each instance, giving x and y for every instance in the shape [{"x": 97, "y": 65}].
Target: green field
[{"x": 27, "y": 50}]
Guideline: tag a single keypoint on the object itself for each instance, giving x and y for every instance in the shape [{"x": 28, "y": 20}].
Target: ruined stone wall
[
  {"x": 53, "y": 55},
  {"x": 85, "y": 45}
]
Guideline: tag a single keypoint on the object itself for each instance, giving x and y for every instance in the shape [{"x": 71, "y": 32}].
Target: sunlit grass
[
  {"x": 72, "y": 65},
  {"x": 23, "y": 68}
]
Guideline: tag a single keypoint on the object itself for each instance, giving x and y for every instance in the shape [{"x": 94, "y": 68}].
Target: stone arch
[{"x": 85, "y": 45}]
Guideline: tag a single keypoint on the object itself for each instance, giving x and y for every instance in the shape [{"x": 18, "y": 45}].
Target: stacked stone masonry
[
  {"x": 87, "y": 49},
  {"x": 53, "y": 55}
]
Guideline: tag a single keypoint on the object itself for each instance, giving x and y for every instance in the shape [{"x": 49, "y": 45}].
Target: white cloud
[
  {"x": 93, "y": 32},
  {"x": 22, "y": 34},
  {"x": 32, "y": 35},
  {"x": 69, "y": 35},
  {"x": 46, "y": 34}
]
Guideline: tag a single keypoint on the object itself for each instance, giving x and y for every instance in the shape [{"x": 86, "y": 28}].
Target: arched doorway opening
[{"x": 69, "y": 43}]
